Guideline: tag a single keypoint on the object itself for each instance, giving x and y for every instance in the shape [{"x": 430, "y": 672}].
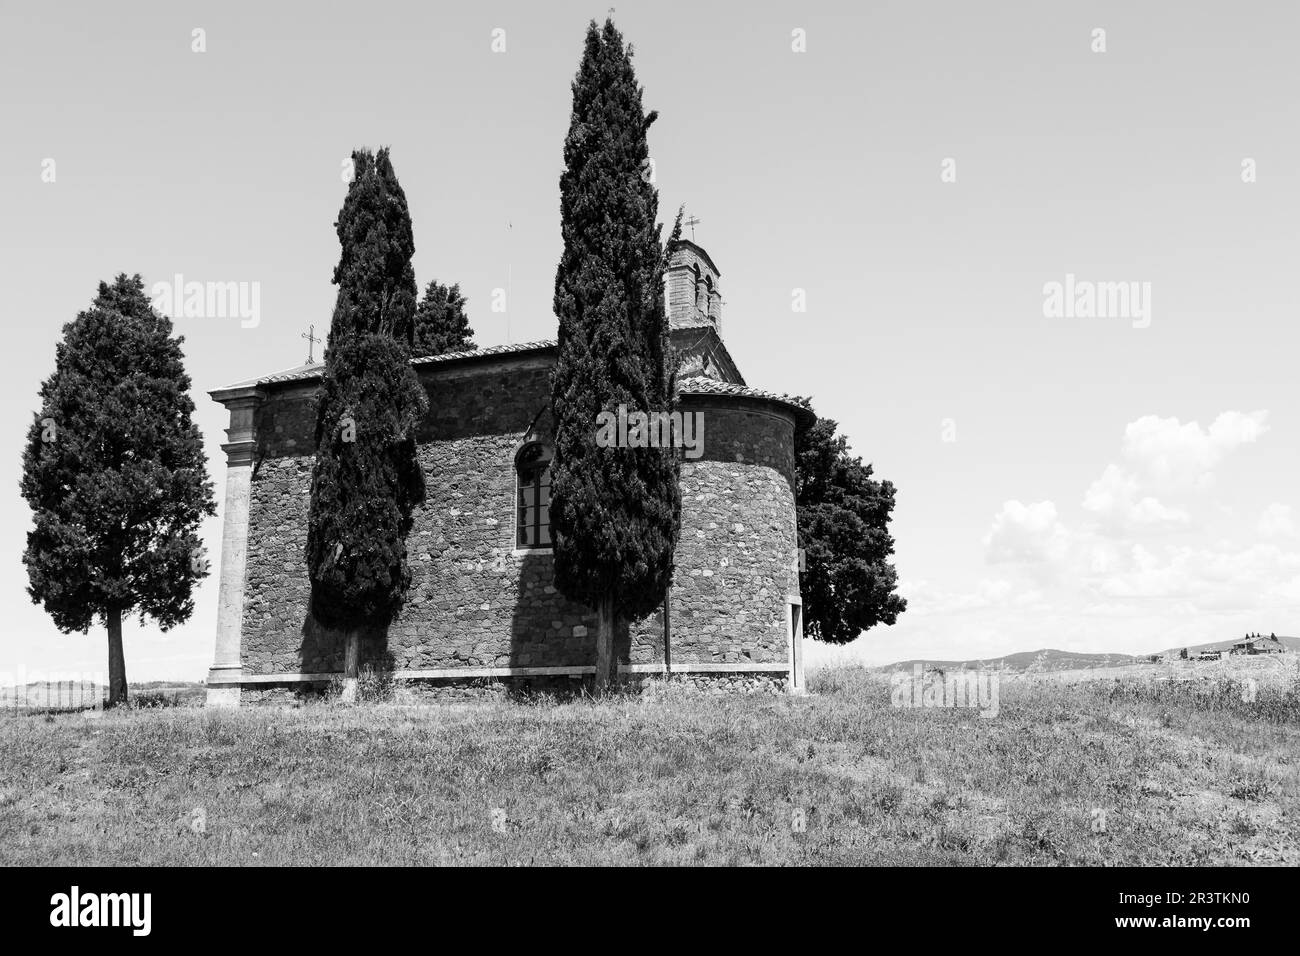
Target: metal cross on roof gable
[{"x": 310, "y": 336}]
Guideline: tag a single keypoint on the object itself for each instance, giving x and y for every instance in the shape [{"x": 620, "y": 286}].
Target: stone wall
[
  {"x": 476, "y": 601},
  {"x": 736, "y": 557}
]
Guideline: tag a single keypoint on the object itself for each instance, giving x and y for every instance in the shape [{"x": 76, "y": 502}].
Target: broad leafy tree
[
  {"x": 848, "y": 584},
  {"x": 115, "y": 474},
  {"x": 367, "y": 480},
  {"x": 615, "y": 512}
]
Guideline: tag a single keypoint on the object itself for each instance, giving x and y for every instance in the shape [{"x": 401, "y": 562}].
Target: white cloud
[
  {"x": 1115, "y": 497},
  {"x": 1277, "y": 521},
  {"x": 1164, "y": 457},
  {"x": 1164, "y": 453},
  {"x": 1027, "y": 534},
  {"x": 1218, "y": 578},
  {"x": 924, "y": 599}
]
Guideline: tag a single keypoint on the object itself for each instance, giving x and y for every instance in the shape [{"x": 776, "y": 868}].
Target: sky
[{"x": 914, "y": 175}]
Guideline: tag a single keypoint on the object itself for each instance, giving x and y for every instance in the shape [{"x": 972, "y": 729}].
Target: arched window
[
  {"x": 708, "y": 293},
  {"x": 696, "y": 267},
  {"x": 533, "y": 496}
]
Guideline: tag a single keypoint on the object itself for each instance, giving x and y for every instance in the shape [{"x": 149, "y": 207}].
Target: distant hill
[
  {"x": 1030, "y": 661},
  {"x": 1053, "y": 660}
]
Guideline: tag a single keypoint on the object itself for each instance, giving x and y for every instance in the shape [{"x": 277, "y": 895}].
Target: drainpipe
[{"x": 668, "y": 654}]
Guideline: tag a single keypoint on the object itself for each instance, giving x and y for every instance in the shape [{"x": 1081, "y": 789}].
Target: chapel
[{"x": 482, "y": 605}]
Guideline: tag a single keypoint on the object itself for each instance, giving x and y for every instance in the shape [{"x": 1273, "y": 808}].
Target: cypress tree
[
  {"x": 615, "y": 512},
  {"x": 441, "y": 325},
  {"x": 115, "y": 473},
  {"x": 367, "y": 480},
  {"x": 375, "y": 276}
]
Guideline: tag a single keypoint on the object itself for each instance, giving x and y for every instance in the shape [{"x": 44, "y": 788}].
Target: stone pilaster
[
  {"x": 794, "y": 624},
  {"x": 227, "y": 665}
]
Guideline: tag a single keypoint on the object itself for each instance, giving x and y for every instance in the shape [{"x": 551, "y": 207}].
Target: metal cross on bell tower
[{"x": 310, "y": 336}]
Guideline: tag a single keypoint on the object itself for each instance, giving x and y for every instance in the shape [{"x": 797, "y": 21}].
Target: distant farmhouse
[
  {"x": 1249, "y": 644},
  {"x": 1258, "y": 644}
]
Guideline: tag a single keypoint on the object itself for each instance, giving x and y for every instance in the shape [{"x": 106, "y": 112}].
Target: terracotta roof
[
  {"x": 287, "y": 375},
  {"x": 695, "y": 385},
  {"x": 541, "y": 346},
  {"x": 305, "y": 373},
  {"x": 700, "y": 385}
]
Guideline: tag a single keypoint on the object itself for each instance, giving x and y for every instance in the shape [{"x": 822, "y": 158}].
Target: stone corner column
[{"x": 226, "y": 674}]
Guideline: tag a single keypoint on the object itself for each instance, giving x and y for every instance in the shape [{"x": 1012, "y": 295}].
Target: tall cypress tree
[
  {"x": 376, "y": 280},
  {"x": 115, "y": 472},
  {"x": 615, "y": 512},
  {"x": 441, "y": 325},
  {"x": 367, "y": 480}
]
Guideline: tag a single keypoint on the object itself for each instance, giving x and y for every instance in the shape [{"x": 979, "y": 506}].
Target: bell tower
[{"x": 693, "y": 297}]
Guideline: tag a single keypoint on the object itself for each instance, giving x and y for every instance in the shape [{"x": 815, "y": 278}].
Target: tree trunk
[
  {"x": 116, "y": 659},
  {"x": 604, "y": 644},
  {"x": 668, "y": 631},
  {"x": 351, "y": 666}
]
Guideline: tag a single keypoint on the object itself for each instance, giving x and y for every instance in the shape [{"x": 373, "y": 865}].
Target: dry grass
[{"x": 1180, "y": 775}]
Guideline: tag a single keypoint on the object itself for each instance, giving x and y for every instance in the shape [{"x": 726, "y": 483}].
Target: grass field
[{"x": 1139, "y": 769}]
